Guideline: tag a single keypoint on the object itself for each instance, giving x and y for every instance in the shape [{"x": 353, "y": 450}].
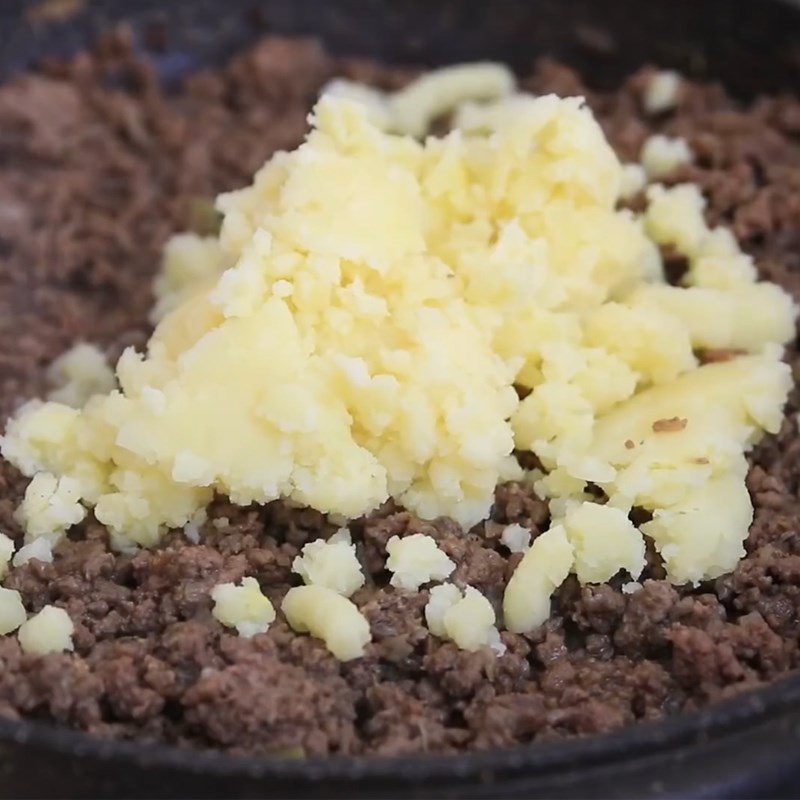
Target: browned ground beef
[{"x": 92, "y": 181}]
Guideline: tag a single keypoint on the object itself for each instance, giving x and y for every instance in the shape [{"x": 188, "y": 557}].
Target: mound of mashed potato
[{"x": 357, "y": 330}]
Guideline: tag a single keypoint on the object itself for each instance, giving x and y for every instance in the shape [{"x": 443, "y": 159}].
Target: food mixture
[{"x": 513, "y": 499}]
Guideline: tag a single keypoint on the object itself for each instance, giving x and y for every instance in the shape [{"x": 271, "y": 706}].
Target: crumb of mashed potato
[
  {"x": 329, "y": 616},
  {"x": 6, "y": 551},
  {"x": 243, "y": 607},
  {"x": 49, "y": 631},
  {"x": 78, "y": 374},
  {"x": 516, "y": 538},
  {"x": 702, "y": 535},
  {"x": 661, "y": 155},
  {"x": 604, "y": 541},
  {"x": 416, "y": 559},
  {"x": 633, "y": 181},
  {"x": 332, "y": 564},
  {"x": 463, "y": 617},
  {"x": 674, "y": 217},
  {"x": 662, "y": 92},
  {"x": 191, "y": 530},
  {"x": 40, "y": 548},
  {"x": 50, "y": 506},
  {"x": 544, "y": 567},
  {"x": 12, "y": 610}
]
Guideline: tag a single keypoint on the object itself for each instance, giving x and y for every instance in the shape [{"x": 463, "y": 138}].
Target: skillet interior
[{"x": 751, "y": 46}]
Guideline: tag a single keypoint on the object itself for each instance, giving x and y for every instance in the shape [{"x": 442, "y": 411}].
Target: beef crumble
[{"x": 97, "y": 169}]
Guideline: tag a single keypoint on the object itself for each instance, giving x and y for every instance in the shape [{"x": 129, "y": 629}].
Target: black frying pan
[{"x": 745, "y": 748}]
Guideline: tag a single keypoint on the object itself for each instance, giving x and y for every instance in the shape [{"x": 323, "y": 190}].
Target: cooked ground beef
[{"x": 97, "y": 169}]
